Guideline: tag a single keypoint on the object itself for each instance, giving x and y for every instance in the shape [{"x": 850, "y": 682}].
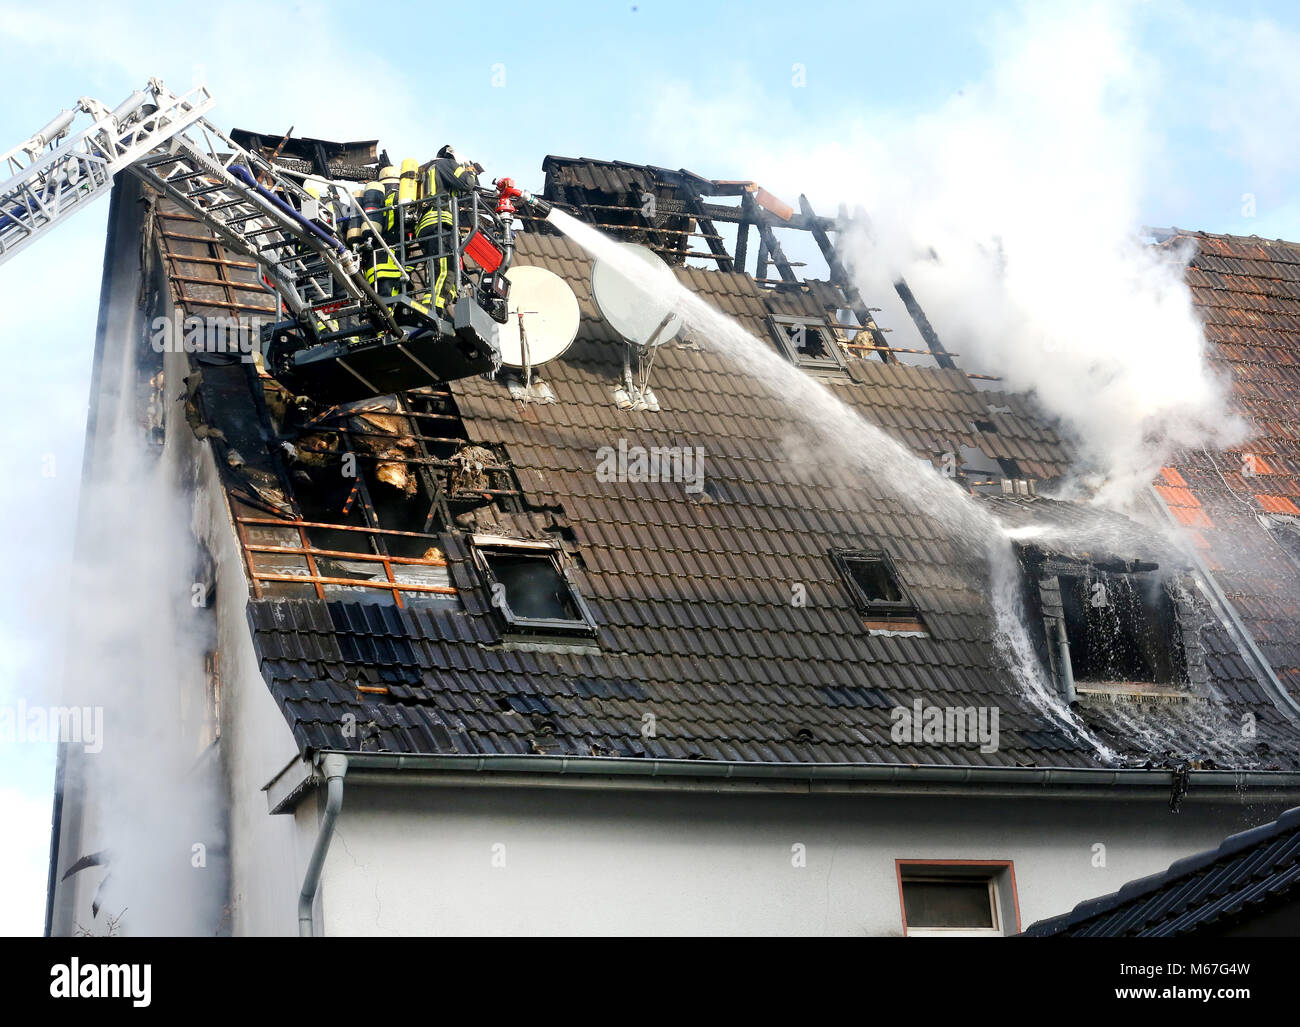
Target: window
[
  {"x": 808, "y": 342},
  {"x": 876, "y": 589},
  {"x": 528, "y": 585},
  {"x": 1285, "y": 528},
  {"x": 957, "y": 898},
  {"x": 1121, "y": 627}
]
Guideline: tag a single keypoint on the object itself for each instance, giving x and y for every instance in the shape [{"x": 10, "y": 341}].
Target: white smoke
[
  {"x": 1013, "y": 213},
  {"x": 135, "y": 653},
  {"x": 1014, "y": 210},
  {"x": 154, "y": 806}
]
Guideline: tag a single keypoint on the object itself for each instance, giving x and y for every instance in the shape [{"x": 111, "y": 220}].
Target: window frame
[
  {"x": 1004, "y": 905},
  {"x": 483, "y": 546},
  {"x": 903, "y": 610},
  {"x": 1176, "y": 656},
  {"x": 781, "y": 322}
]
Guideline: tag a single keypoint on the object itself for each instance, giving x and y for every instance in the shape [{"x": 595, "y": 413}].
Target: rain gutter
[{"x": 636, "y": 773}]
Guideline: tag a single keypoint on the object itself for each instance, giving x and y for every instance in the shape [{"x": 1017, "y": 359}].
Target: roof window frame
[
  {"x": 905, "y": 609},
  {"x": 483, "y": 546},
  {"x": 779, "y": 323}
]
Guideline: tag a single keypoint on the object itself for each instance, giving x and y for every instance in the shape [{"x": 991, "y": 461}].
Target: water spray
[{"x": 886, "y": 460}]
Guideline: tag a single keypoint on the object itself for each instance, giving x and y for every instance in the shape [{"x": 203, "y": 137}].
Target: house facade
[{"x": 440, "y": 674}]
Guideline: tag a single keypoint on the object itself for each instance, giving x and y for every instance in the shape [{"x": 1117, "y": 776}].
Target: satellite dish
[
  {"x": 549, "y": 313},
  {"x": 641, "y": 312}
]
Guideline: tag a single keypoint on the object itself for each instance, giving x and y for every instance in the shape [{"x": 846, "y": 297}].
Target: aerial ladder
[{"x": 338, "y": 339}]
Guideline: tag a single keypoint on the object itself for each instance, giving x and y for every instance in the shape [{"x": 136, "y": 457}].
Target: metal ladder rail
[
  {"x": 51, "y": 175},
  {"x": 167, "y": 142},
  {"x": 235, "y": 194}
]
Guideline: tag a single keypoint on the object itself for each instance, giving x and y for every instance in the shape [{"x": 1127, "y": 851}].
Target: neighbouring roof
[
  {"x": 1250, "y": 873},
  {"x": 1247, "y": 292},
  {"x": 693, "y": 595}
]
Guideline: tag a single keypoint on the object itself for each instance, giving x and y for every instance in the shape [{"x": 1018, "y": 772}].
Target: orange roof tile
[
  {"x": 1278, "y": 504},
  {"x": 1191, "y": 518},
  {"x": 1177, "y": 496}
]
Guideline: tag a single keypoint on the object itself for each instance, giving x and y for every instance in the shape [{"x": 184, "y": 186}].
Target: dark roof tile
[{"x": 693, "y": 599}]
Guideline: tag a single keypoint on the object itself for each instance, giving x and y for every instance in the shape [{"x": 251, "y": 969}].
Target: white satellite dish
[
  {"x": 641, "y": 312},
  {"x": 549, "y": 313}
]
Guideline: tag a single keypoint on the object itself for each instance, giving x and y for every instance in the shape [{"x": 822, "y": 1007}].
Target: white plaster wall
[
  {"x": 266, "y": 860},
  {"x": 420, "y": 860}
]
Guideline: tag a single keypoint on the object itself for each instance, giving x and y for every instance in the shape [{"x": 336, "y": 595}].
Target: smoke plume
[
  {"x": 1014, "y": 214},
  {"x": 1015, "y": 207}
]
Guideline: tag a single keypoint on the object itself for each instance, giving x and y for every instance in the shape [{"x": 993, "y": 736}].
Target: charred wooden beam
[
  {"x": 710, "y": 233},
  {"x": 742, "y": 245},
  {"x": 771, "y": 245},
  {"x": 942, "y": 357},
  {"x": 841, "y": 277},
  {"x": 733, "y": 215},
  {"x": 728, "y": 187}
]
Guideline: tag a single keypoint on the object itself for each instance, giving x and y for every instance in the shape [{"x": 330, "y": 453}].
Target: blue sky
[{"x": 815, "y": 96}]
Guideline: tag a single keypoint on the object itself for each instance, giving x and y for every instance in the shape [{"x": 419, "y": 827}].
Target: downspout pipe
[
  {"x": 1063, "y": 659},
  {"x": 335, "y": 767}
]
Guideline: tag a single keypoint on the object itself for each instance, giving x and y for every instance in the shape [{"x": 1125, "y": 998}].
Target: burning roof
[
  {"x": 1242, "y": 508},
  {"x": 716, "y": 611}
]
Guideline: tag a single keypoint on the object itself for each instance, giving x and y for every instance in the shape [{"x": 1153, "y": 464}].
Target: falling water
[{"x": 887, "y": 461}]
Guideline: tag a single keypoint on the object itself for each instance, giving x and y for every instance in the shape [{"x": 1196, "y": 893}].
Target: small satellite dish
[
  {"x": 641, "y": 311},
  {"x": 549, "y": 313}
]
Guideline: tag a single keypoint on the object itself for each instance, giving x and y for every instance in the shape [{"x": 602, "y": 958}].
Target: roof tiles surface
[
  {"x": 1247, "y": 292},
  {"x": 698, "y": 633}
]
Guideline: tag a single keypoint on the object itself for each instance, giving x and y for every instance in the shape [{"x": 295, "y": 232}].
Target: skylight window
[
  {"x": 875, "y": 588},
  {"x": 529, "y": 587},
  {"x": 808, "y": 342}
]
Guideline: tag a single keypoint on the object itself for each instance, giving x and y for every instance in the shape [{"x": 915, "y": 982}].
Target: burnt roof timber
[
  {"x": 942, "y": 357},
  {"x": 711, "y": 233},
  {"x": 733, "y": 215},
  {"x": 771, "y": 244},
  {"x": 841, "y": 277},
  {"x": 742, "y": 245},
  {"x": 931, "y": 337}
]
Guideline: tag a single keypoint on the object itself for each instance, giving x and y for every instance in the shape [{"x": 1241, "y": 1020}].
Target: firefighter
[
  {"x": 388, "y": 179},
  {"x": 445, "y": 178},
  {"x": 356, "y": 224},
  {"x": 379, "y": 202}
]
